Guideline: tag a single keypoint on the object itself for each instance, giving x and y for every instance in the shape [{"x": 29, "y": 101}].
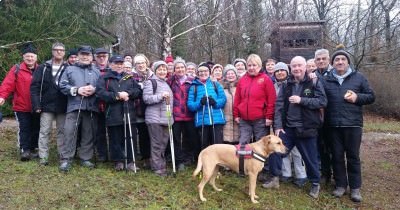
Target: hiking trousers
[{"x": 46, "y": 126}]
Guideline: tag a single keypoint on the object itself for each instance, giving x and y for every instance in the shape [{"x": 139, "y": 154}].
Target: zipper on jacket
[{"x": 248, "y": 96}]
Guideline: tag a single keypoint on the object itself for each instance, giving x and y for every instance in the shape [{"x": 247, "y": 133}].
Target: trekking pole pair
[
  {"x": 171, "y": 136},
  {"x": 127, "y": 120}
]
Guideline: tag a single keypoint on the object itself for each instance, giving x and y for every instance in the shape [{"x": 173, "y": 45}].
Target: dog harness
[{"x": 244, "y": 151}]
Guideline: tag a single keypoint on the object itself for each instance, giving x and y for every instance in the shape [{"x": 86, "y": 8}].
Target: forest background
[{"x": 201, "y": 30}]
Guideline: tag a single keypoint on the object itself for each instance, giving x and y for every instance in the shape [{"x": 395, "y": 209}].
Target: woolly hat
[
  {"x": 237, "y": 60},
  {"x": 191, "y": 64},
  {"x": 169, "y": 59},
  {"x": 72, "y": 52},
  {"x": 205, "y": 65},
  {"x": 340, "y": 51},
  {"x": 216, "y": 66},
  {"x": 229, "y": 67},
  {"x": 179, "y": 60},
  {"x": 157, "y": 64},
  {"x": 141, "y": 58},
  {"x": 28, "y": 48},
  {"x": 281, "y": 66}
]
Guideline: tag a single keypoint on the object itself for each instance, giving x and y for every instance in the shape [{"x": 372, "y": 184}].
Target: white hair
[{"x": 321, "y": 52}]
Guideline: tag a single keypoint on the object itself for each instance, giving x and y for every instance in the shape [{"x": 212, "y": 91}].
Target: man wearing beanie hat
[
  {"x": 72, "y": 56},
  {"x": 17, "y": 82},
  {"x": 347, "y": 90},
  {"x": 241, "y": 66},
  {"x": 79, "y": 83},
  {"x": 48, "y": 101}
]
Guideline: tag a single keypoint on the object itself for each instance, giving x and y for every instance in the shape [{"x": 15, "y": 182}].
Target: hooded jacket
[
  {"x": 45, "y": 93},
  {"x": 207, "y": 115},
  {"x": 339, "y": 112},
  {"x": 79, "y": 75},
  {"x": 254, "y": 98},
  {"x": 18, "y": 84},
  {"x": 107, "y": 90},
  {"x": 156, "y": 109}
]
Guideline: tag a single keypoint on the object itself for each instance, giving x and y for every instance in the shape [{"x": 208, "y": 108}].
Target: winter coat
[
  {"x": 19, "y": 84},
  {"x": 140, "y": 106},
  {"x": 231, "y": 128},
  {"x": 156, "y": 109},
  {"x": 45, "y": 93},
  {"x": 254, "y": 98},
  {"x": 180, "y": 108},
  {"x": 107, "y": 90},
  {"x": 339, "y": 112},
  {"x": 102, "y": 104},
  {"x": 79, "y": 75},
  {"x": 207, "y": 115},
  {"x": 313, "y": 98}
]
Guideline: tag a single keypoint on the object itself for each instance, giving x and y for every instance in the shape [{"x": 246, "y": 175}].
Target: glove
[
  {"x": 203, "y": 101},
  {"x": 211, "y": 101}
]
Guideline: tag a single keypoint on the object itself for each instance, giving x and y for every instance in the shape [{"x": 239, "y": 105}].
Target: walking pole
[
  {"x": 77, "y": 118},
  {"x": 211, "y": 119},
  {"x": 171, "y": 137},
  {"x": 202, "y": 129},
  {"x": 125, "y": 146},
  {"x": 130, "y": 133}
]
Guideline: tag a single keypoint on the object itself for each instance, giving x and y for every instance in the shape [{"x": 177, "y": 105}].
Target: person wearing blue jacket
[{"x": 207, "y": 99}]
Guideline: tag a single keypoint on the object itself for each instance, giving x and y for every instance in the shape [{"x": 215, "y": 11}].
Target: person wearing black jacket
[
  {"x": 347, "y": 91},
  {"x": 48, "y": 101},
  {"x": 297, "y": 118},
  {"x": 118, "y": 90}
]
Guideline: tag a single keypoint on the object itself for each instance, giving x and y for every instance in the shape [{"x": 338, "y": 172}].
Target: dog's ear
[{"x": 267, "y": 140}]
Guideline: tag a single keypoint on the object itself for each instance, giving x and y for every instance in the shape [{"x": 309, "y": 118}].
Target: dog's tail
[{"x": 198, "y": 168}]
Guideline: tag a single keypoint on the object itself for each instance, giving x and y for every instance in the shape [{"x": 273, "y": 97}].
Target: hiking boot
[
  {"x": 262, "y": 176},
  {"x": 273, "y": 183},
  {"x": 314, "y": 192},
  {"x": 25, "y": 155},
  {"x": 355, "y": 195},
  {"x": 300, "y": 182},
  {"x": 285, "y": 179},
  {"x": 162, "y": 172},
  {"x": 44, "y": 161},
  {"x": 339, "y": 192},
  {"x": 131, "y": 167},
  {"x": 34, "y": 154},
  {"x": 65, "y": 166},
  {"x": 181, "y": 167},
  {"x": 119, "y": 166},
  {"x": 87, "y": 164}
]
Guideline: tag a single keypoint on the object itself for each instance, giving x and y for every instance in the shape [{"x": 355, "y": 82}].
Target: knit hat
[
  {"x": 28, "y": 48},
  {"x": 72, "y": 52},
  {"x": 229, "y": 67},
  {"x": 157, "y": 64},
  {"x": 169, "y": 59},
  {"x": 203, "y": 64},
  {"x": 237, "y": 60},
  {"x": 179, "y": 60},
  {"x": 191, "y": 64},
  {"x": 340, "y": 51},
  {"x": 141, "y": 58},
  {"x": 281, "y": 66},
  {"x": 216, "y": 66}
]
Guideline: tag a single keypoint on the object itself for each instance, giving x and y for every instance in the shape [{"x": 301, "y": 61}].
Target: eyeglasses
[{"x": 59, "y": 50}]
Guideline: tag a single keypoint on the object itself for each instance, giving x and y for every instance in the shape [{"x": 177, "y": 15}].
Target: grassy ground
[{"x": 26, "y": 185}]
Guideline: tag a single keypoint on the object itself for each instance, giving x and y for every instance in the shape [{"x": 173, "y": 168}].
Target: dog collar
[{"x": 259, "y": 157}]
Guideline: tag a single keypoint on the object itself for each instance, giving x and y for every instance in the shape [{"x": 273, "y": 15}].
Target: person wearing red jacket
[
  {"x": 254, "y": 102},
  {"x": 17, "y": 82}
]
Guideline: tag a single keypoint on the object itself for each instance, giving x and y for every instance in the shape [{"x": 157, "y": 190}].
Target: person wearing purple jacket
[{"x": 187, "y": 145}]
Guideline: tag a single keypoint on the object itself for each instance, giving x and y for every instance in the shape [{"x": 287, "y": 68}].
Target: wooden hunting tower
[{"x": 289, "y": 39}]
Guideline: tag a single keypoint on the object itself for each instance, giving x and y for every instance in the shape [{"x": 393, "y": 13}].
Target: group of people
[{"x": 104, "y": 107}]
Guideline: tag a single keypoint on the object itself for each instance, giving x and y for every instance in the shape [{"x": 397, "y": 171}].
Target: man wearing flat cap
[
  {"x": 78, "y": 82},
  {"x": 17, "y": 82}
]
